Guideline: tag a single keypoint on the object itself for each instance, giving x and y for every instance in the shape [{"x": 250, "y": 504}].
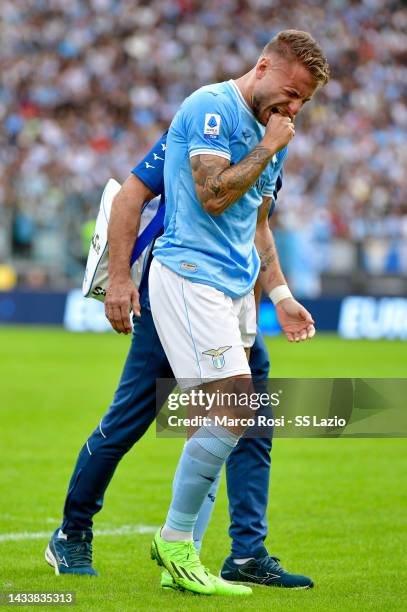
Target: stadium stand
[{"x": 87, "y": 86}]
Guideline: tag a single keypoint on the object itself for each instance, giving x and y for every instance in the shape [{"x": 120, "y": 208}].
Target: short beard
[{"x": 256, "y": 108}]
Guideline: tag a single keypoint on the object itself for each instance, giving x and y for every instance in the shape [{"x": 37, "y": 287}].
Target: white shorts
[{"x": 203, "y": 331}]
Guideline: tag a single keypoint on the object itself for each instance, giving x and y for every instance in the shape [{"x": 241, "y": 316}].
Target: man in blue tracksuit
[{"x": 133, "y": 410}]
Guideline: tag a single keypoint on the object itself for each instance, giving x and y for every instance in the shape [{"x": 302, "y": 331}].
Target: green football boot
[
  {"x": 167, "y": 583},
  {"x": 182, "y": 562},
  {"x": 224, "y": 588},
  {"x": 221, "y": 586}
]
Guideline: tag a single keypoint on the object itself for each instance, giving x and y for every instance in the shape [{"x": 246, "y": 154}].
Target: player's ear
[{"x": 261, "y": 66}]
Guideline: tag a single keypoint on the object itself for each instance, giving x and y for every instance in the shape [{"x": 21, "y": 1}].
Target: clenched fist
[{"x": 279, "y": 131}]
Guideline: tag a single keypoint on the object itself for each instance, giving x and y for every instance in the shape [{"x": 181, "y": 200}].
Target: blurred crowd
[{"x": 88, "y": 85}]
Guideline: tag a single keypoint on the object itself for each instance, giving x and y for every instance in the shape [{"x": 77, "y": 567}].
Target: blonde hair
[{"x": 296, "y": 45}]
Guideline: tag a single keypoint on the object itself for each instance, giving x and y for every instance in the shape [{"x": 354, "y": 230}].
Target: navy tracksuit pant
[{"x": 129, "y": 416}]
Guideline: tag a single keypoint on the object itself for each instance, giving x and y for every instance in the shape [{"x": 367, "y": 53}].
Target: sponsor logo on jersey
[
  {"x": 212, "y": 125},
  {"x": 189, "y": 267},
  {"x": 247, "y": 135},
  {"x": 218, "y": 357}
]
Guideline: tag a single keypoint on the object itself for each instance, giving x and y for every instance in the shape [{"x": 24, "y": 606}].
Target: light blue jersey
[{"x": 213, "y": 250}]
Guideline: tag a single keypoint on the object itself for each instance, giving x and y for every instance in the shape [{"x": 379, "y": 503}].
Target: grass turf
[{"x": 336, "y": 512}]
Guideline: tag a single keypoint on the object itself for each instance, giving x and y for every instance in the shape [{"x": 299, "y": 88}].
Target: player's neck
[{"x": 245, "y": 85}]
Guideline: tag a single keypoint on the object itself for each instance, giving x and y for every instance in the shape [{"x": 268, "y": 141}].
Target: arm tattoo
[
  {"x": 263, "y": 212},
  {"x": 219, "y": 185},
  {"x": 267, "y": 258},
  {"x": 270, "y": 270}
]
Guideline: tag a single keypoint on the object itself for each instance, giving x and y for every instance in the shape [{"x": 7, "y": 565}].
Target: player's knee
[{"x": 235, "y": 395}]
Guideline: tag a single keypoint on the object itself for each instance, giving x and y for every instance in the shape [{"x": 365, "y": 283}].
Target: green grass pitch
[{"x": 337, "y": 507}]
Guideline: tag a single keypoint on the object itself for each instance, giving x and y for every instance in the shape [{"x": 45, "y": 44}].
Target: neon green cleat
[
  {"x": 167, "y": 582},
  {"x": 221, "y": 586},
  {"x": 226, "y": 588},
  {"x": 182, "y": 562}
]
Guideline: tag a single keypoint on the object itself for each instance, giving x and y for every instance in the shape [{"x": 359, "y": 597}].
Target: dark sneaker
[
  {"x": 263, "y": 570},
  {"x": 71, "y": 553}
]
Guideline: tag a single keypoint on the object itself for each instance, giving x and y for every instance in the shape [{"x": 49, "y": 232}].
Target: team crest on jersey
[
  {"x": 212, "y": 125},
  {"x": 218, "y": 357}
]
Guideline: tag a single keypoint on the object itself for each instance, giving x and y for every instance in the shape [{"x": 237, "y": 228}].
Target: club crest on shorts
[{"x": 218, "y": 358}]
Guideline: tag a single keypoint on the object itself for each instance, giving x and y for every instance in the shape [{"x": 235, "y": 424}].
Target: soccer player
[
  {"x": 226, "y": 146},
  {"x": 133, "y": 410}
]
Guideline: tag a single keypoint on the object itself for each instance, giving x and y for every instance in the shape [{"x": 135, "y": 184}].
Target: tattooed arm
[
  {"x": 270, "y": 274},
  {"x": 220, "y": 185},
  {"x": 295, "y": 320}
]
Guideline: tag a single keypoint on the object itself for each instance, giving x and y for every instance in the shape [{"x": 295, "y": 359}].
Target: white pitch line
[{"x": 39, "y": 535}]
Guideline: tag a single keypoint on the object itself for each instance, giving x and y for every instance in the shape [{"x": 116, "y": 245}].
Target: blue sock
[
  {"x": 204, "y": 513},
  {"x": 198, "y": 470}
]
